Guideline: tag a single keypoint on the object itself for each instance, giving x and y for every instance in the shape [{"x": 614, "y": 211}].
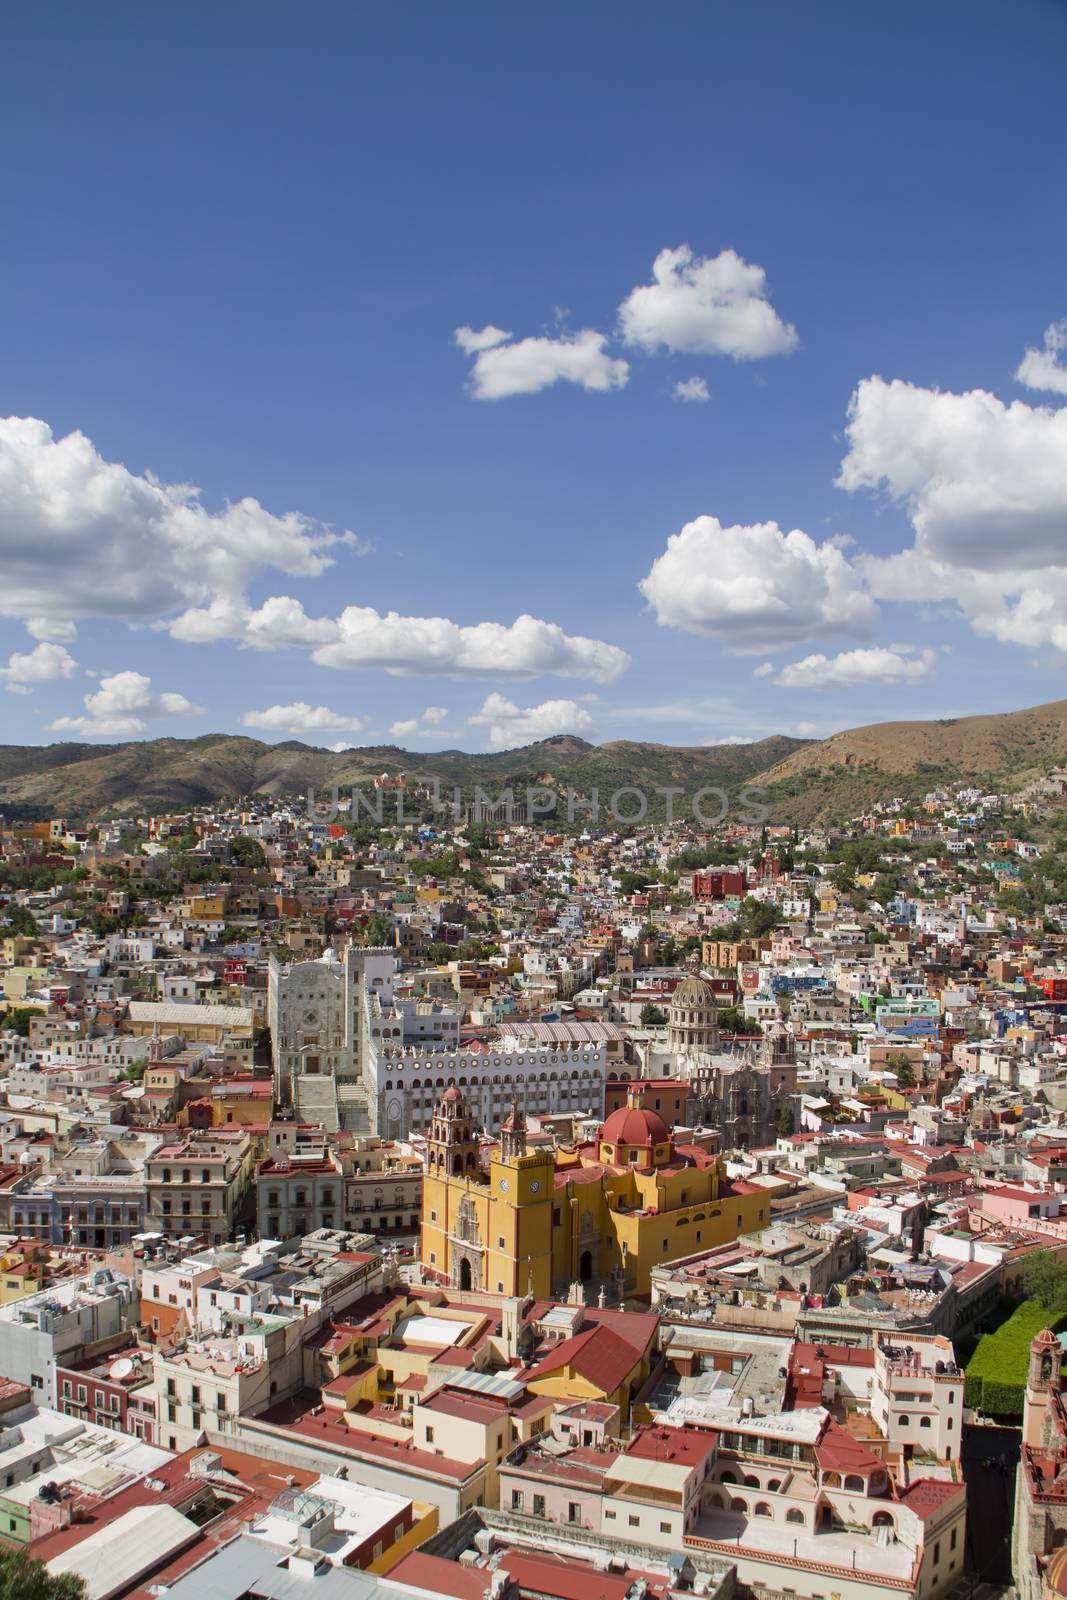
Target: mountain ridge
[{"x": 804, "y": 780}]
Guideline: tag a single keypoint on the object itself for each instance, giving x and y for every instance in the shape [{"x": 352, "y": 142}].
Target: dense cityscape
[
  {"x": 533, "y": 800},
  {"x": 485, "y": 1211}
]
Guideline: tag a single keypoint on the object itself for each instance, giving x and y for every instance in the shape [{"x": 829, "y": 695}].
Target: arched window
[
  {"x": 773, "y": 1485},
  {"x": 794, "y": 1515},
  {"x": 763, "y": 1509},
  {"x": 751, "y": 1482},
  {"x": 924, "y": 1422},
  {"x": 882, "y": 1519},
  {"x": 853, "y": 1481},
  {"x": 737, "y": 1505},
  {"x": 905, "y": 1422},
  {"x": 729, "y": 1477}
]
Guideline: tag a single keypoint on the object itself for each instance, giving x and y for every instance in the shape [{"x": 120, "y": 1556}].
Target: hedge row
[{"x": 995, "y": 1381}]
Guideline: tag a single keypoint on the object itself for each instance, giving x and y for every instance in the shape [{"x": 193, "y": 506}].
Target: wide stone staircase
[
  {"x": 315, "y": 1100},
  {"x": 353, "y": 1107}
]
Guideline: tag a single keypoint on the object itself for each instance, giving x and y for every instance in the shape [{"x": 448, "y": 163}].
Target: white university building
[{"x": 348, "y": 1055}]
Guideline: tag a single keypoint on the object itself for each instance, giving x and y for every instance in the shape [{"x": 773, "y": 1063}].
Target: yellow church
[{"x": 608, "y": 1211}]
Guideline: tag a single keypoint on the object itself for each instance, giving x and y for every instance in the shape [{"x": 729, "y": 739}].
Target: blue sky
[{"x": 239, "y": 243}]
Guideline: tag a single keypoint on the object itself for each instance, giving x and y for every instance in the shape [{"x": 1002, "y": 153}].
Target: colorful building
[{"x": 604, "y": 1212}]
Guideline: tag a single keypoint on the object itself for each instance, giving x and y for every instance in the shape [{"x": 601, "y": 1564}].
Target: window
[
  {"x": 937, "y": 1552},
  {"x": 574, "y": 1512},
  {"x": 763, "y": 1509},
  {"x": 924, "y": 1422},
  {"x": 664, "y": 1527},
  {"x": 610, "y": 1516},
  {"x": 798, "y": 1516},
  {"x": 429, "y": 1436},
  {"x": 538, "y": 1505},
  {"x": 517, "y": 1501},
  {"x": 634, "y": 1522}
]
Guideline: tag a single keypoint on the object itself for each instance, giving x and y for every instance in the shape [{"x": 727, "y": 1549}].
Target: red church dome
[{"x": 631, "y": 1125}]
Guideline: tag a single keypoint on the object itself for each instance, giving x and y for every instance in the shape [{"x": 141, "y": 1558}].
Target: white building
[{"x": 917, "y": 1395}]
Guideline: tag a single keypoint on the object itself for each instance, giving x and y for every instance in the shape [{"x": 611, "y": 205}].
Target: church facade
[{"x": 602, "y": 1213}]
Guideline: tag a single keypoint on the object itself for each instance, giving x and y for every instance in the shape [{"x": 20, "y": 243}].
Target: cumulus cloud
[
  {"x": 473, "y": 340},
  {"x": 705, "y": 305},
  {"x": 755, "y": 587},
  {"x": 508, "y": 725},
  {"x": 45, "y": 663},
  {"x": 692, "y": 391},
  {"x": 855, "y": 667},
  {"x": 53, "y": 629},
  {"x": 1045, "y": 369},
  {"x": 984, "y": 485},
  {"x": 363, "y": 638},
  {"x": 123, "y": 705},
  {"x": 421, "y": 726},
  {"x": 300, "y": 717},
  {"x": 408, "y": 646},
  {"x": 526, "y": 366},
  {"x": 279, "y": 623},
  {"x": 82, "y": 536}
]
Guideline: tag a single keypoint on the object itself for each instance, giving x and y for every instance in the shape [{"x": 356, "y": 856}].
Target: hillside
[
  {"x": 82, "y": 781},
  {"x": 838, "y": 776},
  {"x": 804, "y": 781}
]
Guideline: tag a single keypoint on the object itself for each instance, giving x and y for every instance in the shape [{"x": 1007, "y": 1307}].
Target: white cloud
[
  {"x": 855, "y": 667},
  {"x": 123, "y": 705},
  {"x": 421, "y": 726},
  {"x": 755, "y": 587},
  {"x": 509, "y": 725},
  {"x": 984, "y": 485},
  {"x": 530, "y": 365},
  {"x": 81, "y": 536},
  {"x": 45, "y": 663},
  {"x": 51, "y": 628},
  {"x": 692, "y": 391},
  {"x": 279, "y": 623},
  {"x": 705, "y": 305},
  {"x": 408, "y": 646},
  {"x": 362, "y": 638},
  {"x": 1044, "y": 369},
  {"x": 734, "y": 738},
  {"x": 300, "y": 717},
  {"x": 473, "y": 340}
]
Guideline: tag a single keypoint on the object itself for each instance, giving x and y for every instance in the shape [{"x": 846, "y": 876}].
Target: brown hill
[
  {"x": 803, "y": 781},
  {"x": 82, "y": 781},
  {"x": 838, "y": 777}
]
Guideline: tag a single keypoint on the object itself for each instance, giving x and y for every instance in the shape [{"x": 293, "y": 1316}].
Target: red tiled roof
[{"x": 596, "y": 1354}]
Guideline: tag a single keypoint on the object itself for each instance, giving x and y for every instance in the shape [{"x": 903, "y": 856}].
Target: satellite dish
[{"x": 123, "y": 1368}]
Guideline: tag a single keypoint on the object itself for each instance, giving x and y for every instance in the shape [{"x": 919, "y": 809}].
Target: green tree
[
  {"x": 733, "y": 1020},
  {"x": 439, "y": 954},
  {"x": 23, "y": 1578},
  {"x": 784, "y": 1122},
  {"x": 18, "y": 922},
  {"x": 246, "y": 852},
  {"x": 379, "y": 930},
  {"x": 899, "y": 1061},
  {"x": 1045, "y": 1279},
  {"x": 17, "y": 1020},
  {"x": 652, "y": 1016}
]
